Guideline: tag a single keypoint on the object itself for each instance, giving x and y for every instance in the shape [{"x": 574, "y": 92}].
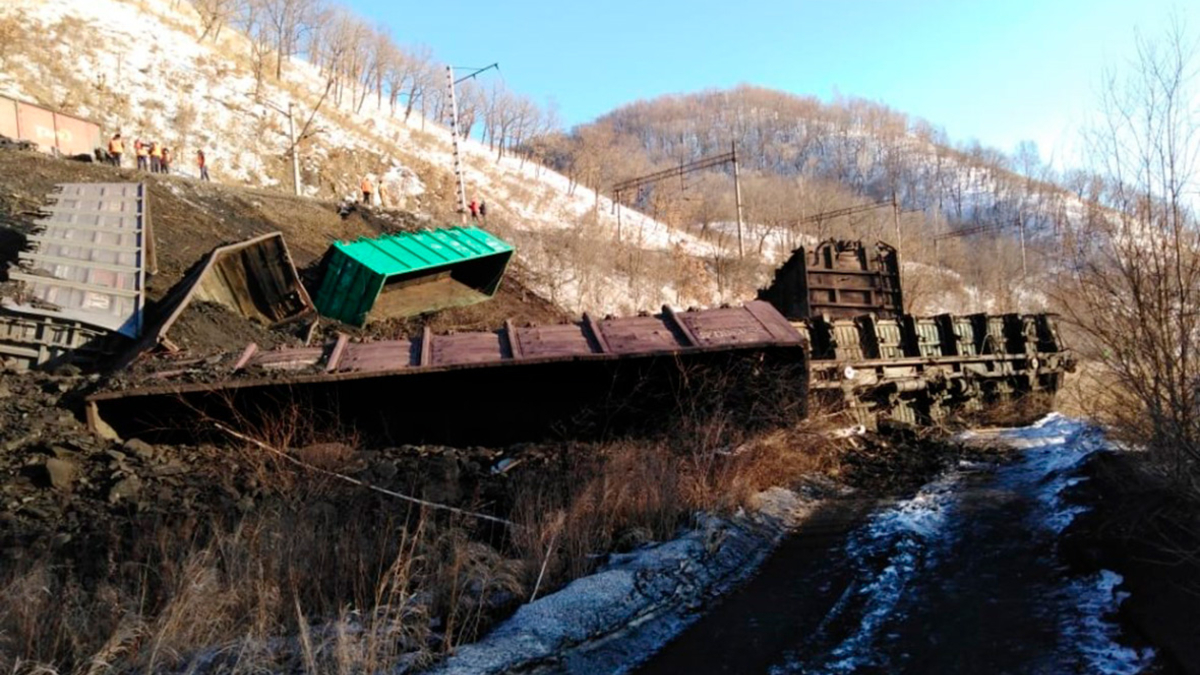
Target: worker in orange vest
[
  {"x": 367, "y": 189},
  {"x": 116, "y": 148},
  {"x": 143, "y": 155},
  {"x": 202, "y": 163},
  {"x": 155, "y": 157},
  {"x": 474, "y": 206}
]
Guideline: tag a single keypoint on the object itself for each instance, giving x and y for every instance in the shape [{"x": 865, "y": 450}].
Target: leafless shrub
[
  {"x": 1132, "y": 285},
  {"x": 733, "y": 432}
]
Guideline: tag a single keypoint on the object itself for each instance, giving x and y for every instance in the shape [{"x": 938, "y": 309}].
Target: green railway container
[{"x": 424, "y": 271}]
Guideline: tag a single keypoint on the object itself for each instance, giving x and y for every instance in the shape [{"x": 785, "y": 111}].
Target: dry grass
[
  {"x": 364, "y": 585},
  {"x": 346, "y": 588},
  {"x": 731, "y": 434},
  {"x": 13, "y": 35},
  {"x": 326, "y": 577},
  {"x": 594, "y": 499}
]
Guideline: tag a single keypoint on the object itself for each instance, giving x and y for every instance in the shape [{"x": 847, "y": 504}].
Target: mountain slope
[
  {"x": 801, "y": 158},
  {"x": 137, "y": 66}
]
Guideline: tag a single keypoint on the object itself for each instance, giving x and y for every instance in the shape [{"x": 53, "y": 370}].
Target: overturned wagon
[
  {"x": 758, "y": 363},
  {"x": 588, "y": 379},
  {"x": 919, "y": 370},
  {"x": 877, "y": 362},
  {"x": 409, "y": 273},
  {"x": 81, "y": 291}
]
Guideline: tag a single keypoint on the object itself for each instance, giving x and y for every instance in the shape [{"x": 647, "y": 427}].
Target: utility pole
[
  {"x": 1024, "y": 262},
  {"x": 896, "y": 220},
  {"x": 737, "y": 194},
  {"x": 458, "y": 167},
  {"x": 458, "y": 163},
  {"x": 937, "y": 231},
  {"x": 295, "y": 152}
]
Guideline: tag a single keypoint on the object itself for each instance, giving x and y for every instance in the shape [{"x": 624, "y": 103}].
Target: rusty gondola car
[
  {"x": 877, "y": 362},
  {"x": 525, "y": 383}
]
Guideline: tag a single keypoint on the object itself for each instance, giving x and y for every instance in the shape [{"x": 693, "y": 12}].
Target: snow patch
[
  {"x": 639, "y": 599},
  {"x": 1092, "y": 634},
  {"x": 891, "y": 550}
]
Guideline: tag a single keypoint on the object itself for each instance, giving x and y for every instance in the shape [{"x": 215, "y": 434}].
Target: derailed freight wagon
[
  {"x": 592, "y": 378},
  {"x": 877, "y": 362},
  {"x": 599, "y": 377}
]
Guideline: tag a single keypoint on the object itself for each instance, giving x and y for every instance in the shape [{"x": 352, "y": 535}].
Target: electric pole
[
  {"x": 658, "y": 176},
  {"x": 295, "y": 153},
  {"x": 1024, "y": 261},
  {"x": 458, "y": 163},
  {"x": 458, "y": 167},
  {"x": 737, "y": 195},
  {"x": 896, "y": 220}
]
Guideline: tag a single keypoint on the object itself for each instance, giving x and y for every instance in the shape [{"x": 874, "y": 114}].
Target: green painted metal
[{"x": 357, "y": 271}]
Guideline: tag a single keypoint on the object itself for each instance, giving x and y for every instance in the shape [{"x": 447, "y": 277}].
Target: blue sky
[{"x": 999, "y": 71}]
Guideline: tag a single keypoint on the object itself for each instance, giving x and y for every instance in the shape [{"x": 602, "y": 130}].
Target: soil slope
[{"x": 190, "y": 218}]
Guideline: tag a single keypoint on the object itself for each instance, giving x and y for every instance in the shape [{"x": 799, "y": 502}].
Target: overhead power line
[
  {"x": 680, "y": 171},
  {"x": 673, "y": 172}
]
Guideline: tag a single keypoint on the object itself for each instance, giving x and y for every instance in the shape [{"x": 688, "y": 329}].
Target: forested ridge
[{"x": 863, "y": 147}]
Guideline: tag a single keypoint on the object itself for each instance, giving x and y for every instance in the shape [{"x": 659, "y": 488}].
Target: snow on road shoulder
[
  {"x": 1054, "y": 448},
  {"x": 655, "y": 587},
  {"x": 1092, "y": 633}
]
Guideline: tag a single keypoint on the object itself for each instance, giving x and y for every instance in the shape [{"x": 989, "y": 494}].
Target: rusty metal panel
[
  {"x": 255, "y": 278},
  {"x": 465, "y": 348},
  {"x": 713, "y": 329},
  {"x": 551, "y": 341},
  {"x": 378, "y": 356},
  {"x": 8, "y": 119},
  {"x": 290, "y": 359},
  {"x": 90, "y": 258},
  {"x": 75, "y": 136},
  {"x": 840, "y": 278},
  {"x": 609, "y": 375},
  {"x": 639, "y": 334},
  {"x": 36, "y": 124},
  {"x": 737, "y": 326},
  {"x": 29, "y": 341}
]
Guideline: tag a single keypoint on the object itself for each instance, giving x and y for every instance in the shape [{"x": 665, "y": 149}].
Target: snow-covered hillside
[{"x": 137, "y": 66}]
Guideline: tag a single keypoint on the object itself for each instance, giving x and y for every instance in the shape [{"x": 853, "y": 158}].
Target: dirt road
[{"x": 962, "y": 577}]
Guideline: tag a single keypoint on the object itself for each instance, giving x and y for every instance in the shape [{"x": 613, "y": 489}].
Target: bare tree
[
  {"x": 251, "y": 20},
  {"x": 214, "y": 15},
  {"x": 422, "y": 75},
  {"x": 287, "y": 21},
  {"x": 1133, "y": 281}
]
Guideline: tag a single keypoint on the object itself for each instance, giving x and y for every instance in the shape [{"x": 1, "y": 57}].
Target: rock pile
[{"x": 58, "y": 481}]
